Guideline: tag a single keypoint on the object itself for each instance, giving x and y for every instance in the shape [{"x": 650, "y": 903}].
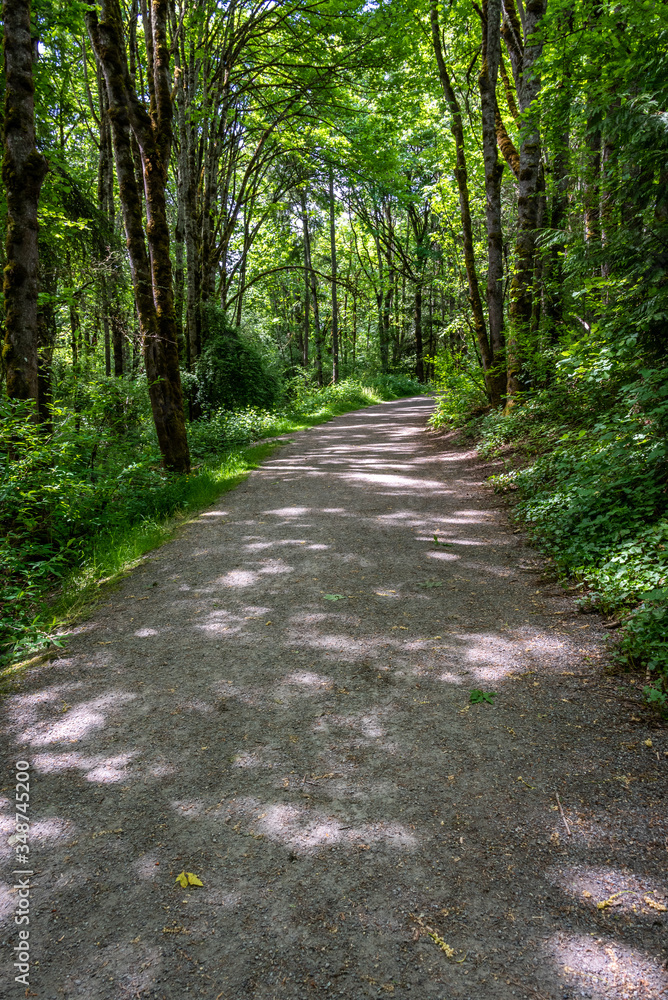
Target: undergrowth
[
  {"x": 587, "y": 463},
  {"x": 82, "y": 503}
]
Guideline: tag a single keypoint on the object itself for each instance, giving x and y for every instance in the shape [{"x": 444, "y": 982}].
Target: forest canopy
[{"x": 224, "y": 218}]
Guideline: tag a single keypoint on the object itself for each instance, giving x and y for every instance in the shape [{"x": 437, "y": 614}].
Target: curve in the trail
[{"x": 279, "y": 702}]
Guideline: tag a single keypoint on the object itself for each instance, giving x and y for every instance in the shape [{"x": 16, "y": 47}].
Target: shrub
[
  {"x": 231, "y": 372},
  {"x": 459, "y": 387},
  {"x": 596, "y": 503}
]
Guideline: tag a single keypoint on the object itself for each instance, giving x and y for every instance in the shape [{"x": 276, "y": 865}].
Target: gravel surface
[{"x": 278, "y": 701}]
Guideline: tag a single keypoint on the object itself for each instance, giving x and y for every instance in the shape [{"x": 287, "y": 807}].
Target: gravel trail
[{"x": 278, "y": 701}]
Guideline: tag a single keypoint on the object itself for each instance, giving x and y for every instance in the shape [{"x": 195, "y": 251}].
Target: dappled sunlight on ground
[
  {"x": 616, "y": 892},
  {"x": 305, "y": 830},
  {"x": 602, "y": 964},
  {"x": 76, "y": 720},
  {"x": 278, "y": 702},
  {"x": 97, "y": 768}
]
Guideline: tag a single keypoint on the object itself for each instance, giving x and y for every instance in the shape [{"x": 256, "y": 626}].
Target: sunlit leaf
[{"x": 185, "y": 879}]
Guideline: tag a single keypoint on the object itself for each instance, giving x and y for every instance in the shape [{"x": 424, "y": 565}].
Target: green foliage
[
  {"x": 460, "y": 389},
  {"x": 74, "y": 509},
  {"x": 595, "y": 499},
  {"x": 231, "y": 371},
  {"x": 478, "y": 697}
]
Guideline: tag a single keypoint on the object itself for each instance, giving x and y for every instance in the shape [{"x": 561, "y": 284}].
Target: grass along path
[
  {"x": 34, "y": 616},
  {"x": 279, "y": 701}
]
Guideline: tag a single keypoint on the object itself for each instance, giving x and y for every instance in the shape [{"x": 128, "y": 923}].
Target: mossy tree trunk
[
  {"x": 152, "y": 268},
  {"x": 523, "y": 53},
  {"x": 457, "y": 129},
  {"x": 23, "y": 172},
  {"x": 487, "y": 80},
  {"x": 335, "y": 304}
]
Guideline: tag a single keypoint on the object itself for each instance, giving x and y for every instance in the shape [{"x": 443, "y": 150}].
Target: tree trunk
[
  {"x": 105, "y": 201},
  {"x": 386, "y": 324},
  {"x": 107, "y": 331},
  {"x": 152, "y": 271},
  {"x": 608, "y": 179},
  {"x": 592, "y": 179},
  {"x": 457, "y": 129},
  {"x": 314, "y": 294},
  {"x": 417, "y": 323},
  {"x": 487, "y": 80},
  {"x": 48, "y": 333},
  {"x": 317, "y": 331},
  {"x": 528, "y": 202},
  {"x": 117, "y": 342},
  {"x": 307, "y": 282},
  {"x": 23, "y": 172},
  {"x": 179, "y": 271},
  {"x": 188, "y": 194},
  {"x": 554, "y": 305},
  {"x": 506, "y": 144},
  {"x": 354, "y": 326},
  {"x": 335, "y": 305}
]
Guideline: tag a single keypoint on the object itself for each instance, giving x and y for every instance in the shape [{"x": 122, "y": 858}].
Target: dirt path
[{"x": 278, "y": 701}]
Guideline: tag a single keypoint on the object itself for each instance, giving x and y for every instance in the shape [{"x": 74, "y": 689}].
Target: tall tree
[
  {"x": 152, "y": 271},
  {"x": 335, "y": 303},
  {"x": 457, "y": 128},
  {"x": 487, "y": 80},
  {"x": 23, "y": 172},
  {"x": 524, "y": 49}
]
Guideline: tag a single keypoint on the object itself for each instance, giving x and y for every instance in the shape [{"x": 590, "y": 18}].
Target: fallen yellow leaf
[
  {"x": 187, "y": 878},
  {"x": 648, "y": 743}
]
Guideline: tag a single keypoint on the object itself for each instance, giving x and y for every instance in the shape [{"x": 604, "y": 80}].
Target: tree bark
[
  {"x": 335, "y": 304},
  {"x": 23, "y": 172},
  {"x": 314, "y": 294},
  {"x": 105, "y": 201},
  {"x": 592, "y": 179},
  {"x": 457, "y": 128},
  {"x": 152, "y": 271},
  {"x": 307, "y": 283},
  {"x": 417, "y": 323},
  {"x": 506, "y": 144},
  {"x": 529, "y": 194},
  {"x": 554, "y": 305},
  {"x": 491, "y": 50}
]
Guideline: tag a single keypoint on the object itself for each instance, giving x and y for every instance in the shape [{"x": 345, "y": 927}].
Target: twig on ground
[{"x": 568, "y": 829}]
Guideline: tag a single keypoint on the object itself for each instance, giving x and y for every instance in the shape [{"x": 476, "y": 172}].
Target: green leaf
[{"x": 478, "y": 696}]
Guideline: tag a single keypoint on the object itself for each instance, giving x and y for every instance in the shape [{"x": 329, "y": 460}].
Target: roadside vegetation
[
  {"x": 76, "y": 514},
  {"x": 226, "y": 222},
  {"x": 586, "y": 472}
]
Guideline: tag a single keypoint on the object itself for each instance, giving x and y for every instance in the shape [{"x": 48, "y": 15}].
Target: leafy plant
[{"x": 477, "y": 697}]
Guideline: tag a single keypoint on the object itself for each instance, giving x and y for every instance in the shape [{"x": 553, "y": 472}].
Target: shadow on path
[{"x": 278, "y": 701}]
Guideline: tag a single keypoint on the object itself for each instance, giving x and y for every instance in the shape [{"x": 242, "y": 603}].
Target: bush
[
  {"x": 596, "y": 502},
  {"x": 459, "y": 387},
  {"x": 231, "y": 372}
]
